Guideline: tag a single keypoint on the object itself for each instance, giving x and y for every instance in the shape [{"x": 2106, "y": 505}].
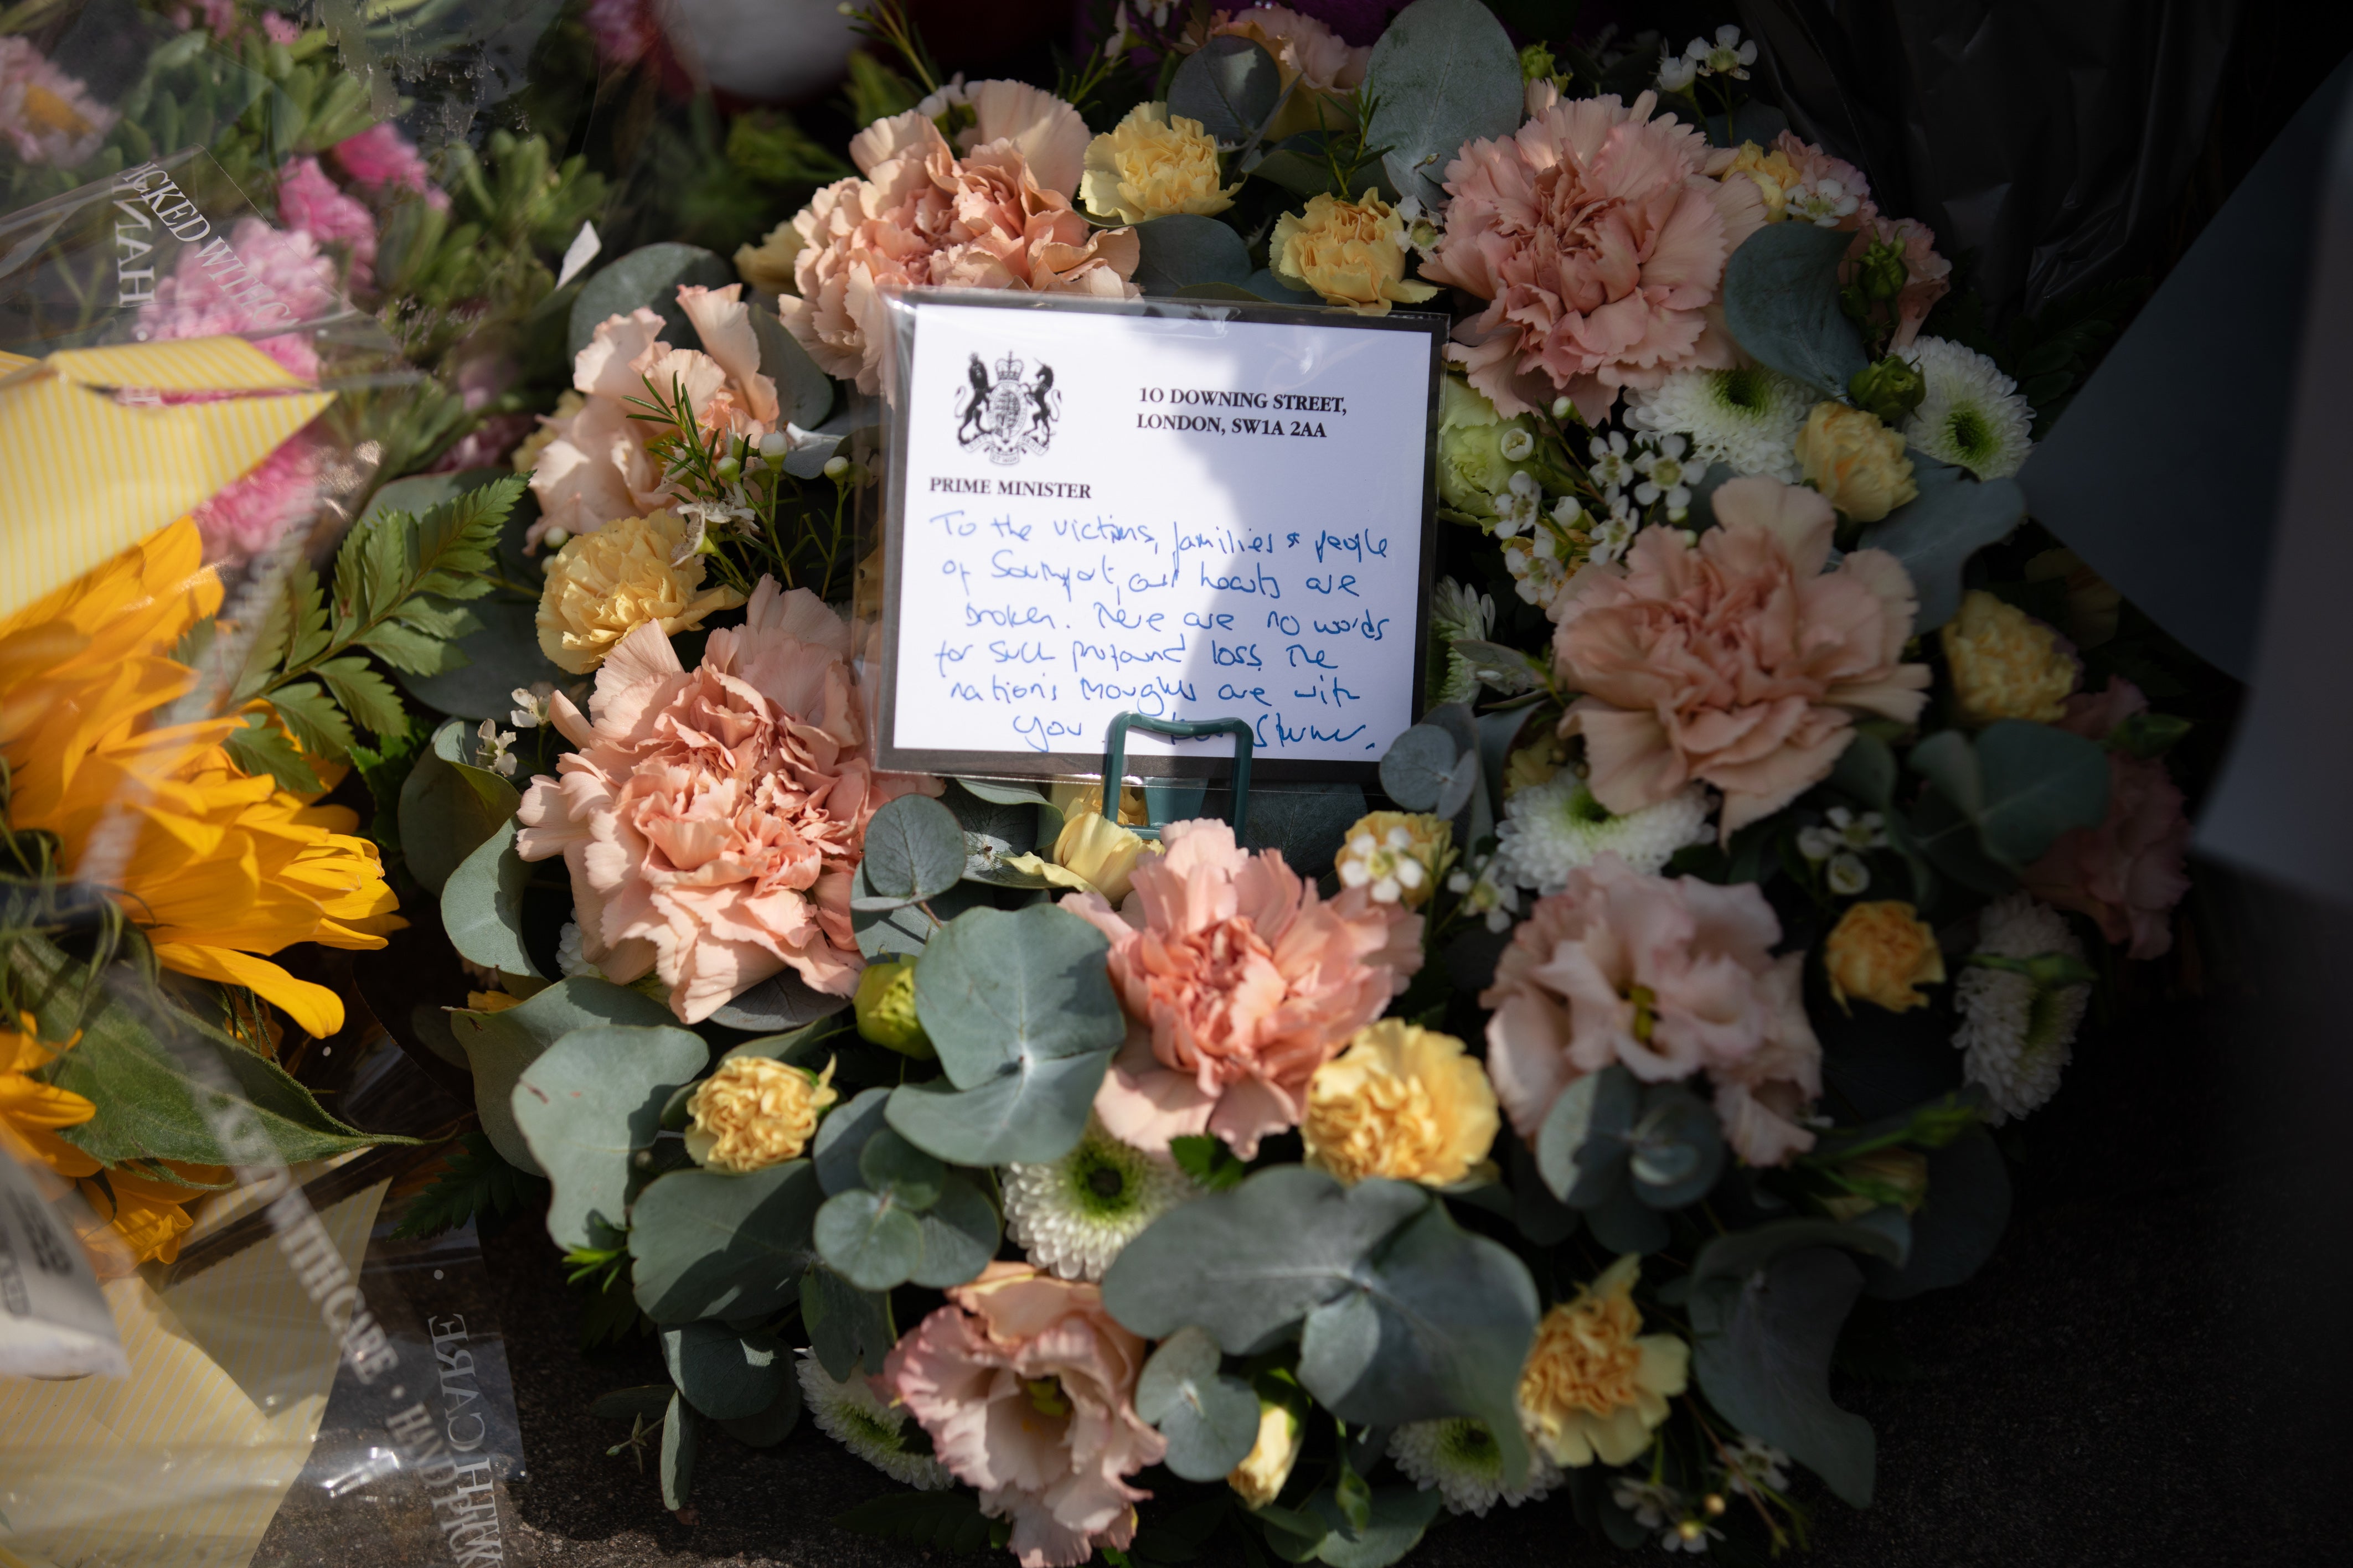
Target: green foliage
[
  {"x": 499, "y": 1045},
  {"x": 849, "y": 1328},
  {"x": 2006, "y": 794},
  {"x": 1763, "y": 1336},
  {"x": 383, "y": 768},
  {"x": 474, "y": 1184},
  {"x": 1781, "y": 301},
  {"x": 1209, "y": 1416},
  {"x": 1954, "y": 516},
  {"x": 1607, "y": 1133},
  {"x": 481, "y": 905},
  {"x": 649, "y": 276},
  {"x": 586, "y": 1105},
  {"x": 1444, "y": 73},
  {"x": 723, "y": 1374},
  {"x": 915, "y": 850},
  {"x": 2049, "y": 352},
  {"x": 450, "y": 807},
  {"x": 768, "y": 146},
  {"x": 1183, "y": 250},
  {"x": 1231, "y": 84},
  {"x": 942, "y": 1521},
  {"x": 711, "y": 1244},
  {"x": 678, "y": 1449},
  {"x": 1208, "y": 1161},
  {"x": 876, "y": 91}
]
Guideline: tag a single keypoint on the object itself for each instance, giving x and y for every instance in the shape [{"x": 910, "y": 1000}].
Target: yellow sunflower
[{"x": 217, "y": 868}]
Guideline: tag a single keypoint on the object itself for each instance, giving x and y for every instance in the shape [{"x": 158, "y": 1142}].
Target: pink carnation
[
  {"x": 1927, "y": 275},
  {"x": 712, "y": 818},
  {"x": 1239, "y": 981},
  {"x": 1027, "y": 1387},
  {"x": 1600, "y": 242},
  {"x": 1736, "y": 661},
  {"x": 1668, "y": 978},
  {"x": 997, "y": 217},
  {"x": 1307, "y": 48},
  {"x": 267, "y": 278},
  {"x": 310, "y": 201},
  {"x": 380, "y": 161},
  {"x": 597, "y": 467},
  {"x": 47, "y": 116},
  {"x": 2128, "y": 873},
  {"x": 254, "y": 513}
]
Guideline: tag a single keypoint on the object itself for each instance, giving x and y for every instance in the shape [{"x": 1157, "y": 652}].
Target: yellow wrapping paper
[{"x": 83, "y": 476}]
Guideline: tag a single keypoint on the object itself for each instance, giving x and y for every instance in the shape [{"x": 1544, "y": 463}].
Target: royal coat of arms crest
[{"x": 1008, "y": 415}]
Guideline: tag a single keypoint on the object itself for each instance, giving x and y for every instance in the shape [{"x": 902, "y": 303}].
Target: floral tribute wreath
[{"x": 1530, "y": 1151}]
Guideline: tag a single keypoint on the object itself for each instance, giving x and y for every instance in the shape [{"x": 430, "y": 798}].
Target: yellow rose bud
[
  {"x": 1594, "y": 1384},
  {"x": 1402, "y": 1102},
  {"x": 1396, "y": 856},
  {"x": 1094, "y": 846},
  {"x": 885, "y": 1005},
  {"x": 1897, "y": 1176},
  {"x": 1152, "y": 165},
  {"x": 1351, "y": 253},
  {"x": 1855, "y": 461},
  {"x": 602, "y": 586},
  {"x": 2006, "y": 663},
  {"x": 755, "y": 1112},
  {"x": 1260, "y": 1477},
  {"x": 1773, "y": 172},
  {"x": 1879, "y": 952},
  {"x": 1071, "y": 799},
  {"x": 769, "y": 265}
]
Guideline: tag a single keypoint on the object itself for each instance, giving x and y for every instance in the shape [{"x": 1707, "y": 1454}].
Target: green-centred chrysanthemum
[
  {"x": 1551, "y": 829},
  {"x": 1459, "y": 1457},
  {"x": 1073, "y": 1215},
  {"x": 2017, "y": 1031},
  {"x": 870, "y": 1425},
  {"x": 1746, "y": 418},
  {"x": 1973, "y": 416}
]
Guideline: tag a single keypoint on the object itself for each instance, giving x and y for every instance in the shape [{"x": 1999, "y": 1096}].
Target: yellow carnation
[
  {"x": 1595, "y": 1384},
  {"x": 2006, "y": 663},
  {"x": 1395, "y": 855},
  {"x": 602, "y": 586},
  {"x": 1402, "y": 1102},
  {"x": 1351, "y": 253},
  {"x": 768, "y": 266},
  {"x": 1773, "y": 172},
  {"x": 1855, "y": 461},
  {"x": 1152, "y": 165},
  {"x": 755, "y": 1112},
  {"x": 1880, "y": 952}
]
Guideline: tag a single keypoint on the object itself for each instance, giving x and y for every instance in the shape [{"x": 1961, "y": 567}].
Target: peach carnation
[
  {"x": 1599, "y": 241},
  {"x": 1027, "y": 1387},
  {"x": 2127, "y": 874},
  {"x": 1670, "y": 977},
  {"x": 595, "y": 466},
  {"x": 1323, "y": 66},
  {"x": 1738, "y": 661},
  {"x": 1240, "y": 981},
  {"x": 712, "y": 817},
  {"x": 998, "y": 217}
]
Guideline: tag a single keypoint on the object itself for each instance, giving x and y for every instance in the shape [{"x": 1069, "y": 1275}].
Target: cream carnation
[
  {"x": 712, "y": 818},
  {"x": 1150, "y": 165},
  {"x": 1402, "y": 1102},
  {"x": 755, "y": 1111},
  {"x": 1239, "y": 981},
  {"x": 1350, "y": 253},
  {"x": 1746, "y": 418},
  {"x": 1595, "y": 1385},
  {"x": 1973, "y": 416},
  {"x": 601, "y": 586},
  {"x": 1668, "y": 978},
  {"x": 1599, "y": 242},
  {"x": 999, "y": 217},
  {"x": 1738, "y": 661}
]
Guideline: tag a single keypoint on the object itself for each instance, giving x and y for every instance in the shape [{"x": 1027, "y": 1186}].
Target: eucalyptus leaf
[
  {"x": 1959, "y": 1225},
  {"x": 723, "y": 1374},
  {"x": 1623, "y": 1223},
  {"x": 1418, "y": 767},
  {"x": 1209, "y": 1416},
  {"x": 1762, "y": 1342},
  {"x": 647, "y": 1401},
  {"x": 914, "y": 850},
  {"x": 1275, "y": 291},
  {"x": 587, "y": 1104},
  {"x": 805, "y": 391},
  {"x": 842, "y": 1139},
  {"x": 773, "y": 1424},
  {"x": 677, "y": 1445},
  {"x": 895, "y": 1168},
  {"x": 649, "y": 276},
  {"x": 1034, "y": 1112},
  {"x": 481, "y": 905},
  {"x": 2040, "y": 782},
  {"x": 1299, "y": 165},
  {"x": 1184, "y": 249},
  {"x": 849, "y": 1328},
  {"x": 1229, "y": 85},
  {"x": 961, "y": 1231},
  {"x": 1308, "y": 822},
  {"x": 1445, "y": 73},
  {"x": 448, "y": 806},
  {"x": 1395, "y": 1518},
  {"x": 708, "y": 1244},
  {"x": 1580, "y": 1147},
  {"x": 1781, "y": 302},
  {"x": 499, "y": 1045},
  {"x": 501, "y": 653},
  {"x": 781, "y": 1003},
  {"x": 1934, "y": 535},
  {"x": 870, "y": 1240}
]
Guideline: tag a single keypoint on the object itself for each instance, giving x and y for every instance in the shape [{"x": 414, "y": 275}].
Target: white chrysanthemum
[
  {"x": 1459, "y": 1457},
  {"x": 1551, "y": 829},
  {"x": 854, "y": 1415},
  {"x": 1973, "y": 415},
  {"x": 1073, "y": 1215},
  {"x": 1746, "y": 418},
  {"x": 2018, "y": 1033},
  {"x": 569, "y": 955}
]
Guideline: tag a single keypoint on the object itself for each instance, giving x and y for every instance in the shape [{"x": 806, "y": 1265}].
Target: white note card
[{"x": 1179, "y": 516}]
